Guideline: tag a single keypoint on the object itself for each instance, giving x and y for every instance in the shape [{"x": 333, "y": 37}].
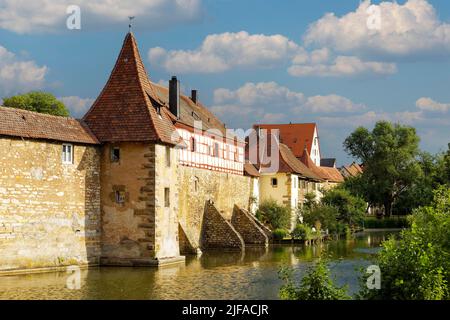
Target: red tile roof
[
  {"x": 353, "y": 170},
  {"x": 326, "y": 173},
  {"x": 126, "y": 109},
  {"x": 27, "y": 124},
  {"x": 295, "y": 135}
]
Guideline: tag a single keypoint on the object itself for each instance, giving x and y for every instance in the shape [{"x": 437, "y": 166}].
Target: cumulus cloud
[
  {"x": 409, "y": 29},
  {"x": 271, "y": 102},
  {"x": 76, "y": 105},
  {"x": 428, "y": 104},
  {"x": 18, "y": 75},
  {"x": 221, "y": 52},
  {"x": 314, "y": 65},
  {"x": 50, "y": 16}
]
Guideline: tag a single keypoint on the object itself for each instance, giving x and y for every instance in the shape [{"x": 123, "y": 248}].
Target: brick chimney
[
  {"x": 194, "y": 96},
  {"x": 174, "y": 96}
]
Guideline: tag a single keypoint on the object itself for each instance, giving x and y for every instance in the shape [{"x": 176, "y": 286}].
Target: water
[{"x": 215, "y": 275}]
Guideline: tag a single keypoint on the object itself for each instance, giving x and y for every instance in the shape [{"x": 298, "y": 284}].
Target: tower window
[
  {"x": 167, "y": 156},
  {"x": 120, "y": 197},
  {"x": 115, "y": 154},
  {"x": 167, "y": 197}
]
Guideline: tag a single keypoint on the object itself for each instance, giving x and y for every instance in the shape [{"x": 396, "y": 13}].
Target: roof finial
[{"x": 130, "y": 25}]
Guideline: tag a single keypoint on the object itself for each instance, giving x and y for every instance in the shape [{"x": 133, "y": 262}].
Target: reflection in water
[{"x": 214, "y": 275}]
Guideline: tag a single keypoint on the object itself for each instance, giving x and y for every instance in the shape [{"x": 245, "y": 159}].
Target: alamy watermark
[
  {"x": 73, "y": 21},
  {"x": 373, "y": 281},
  {"x": 73, "y": 281}
]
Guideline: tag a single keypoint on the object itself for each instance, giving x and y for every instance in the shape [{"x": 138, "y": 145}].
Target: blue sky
[{"x": 252, "y": 61}]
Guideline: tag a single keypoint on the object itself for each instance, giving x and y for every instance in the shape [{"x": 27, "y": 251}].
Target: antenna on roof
[{"x": 130, "y": 25}]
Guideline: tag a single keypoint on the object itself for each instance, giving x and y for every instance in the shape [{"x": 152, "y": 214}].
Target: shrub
[
  {"x": 315, "y": 285},
  {"x": 417, "y": 266},
  {"x": 271, "y": 213},
  {"x": 279, "y": 234},
  {"x": 302, "y": 232},
  {"x": 351, "y": 209},
  {"x": 326, "y": 215}
]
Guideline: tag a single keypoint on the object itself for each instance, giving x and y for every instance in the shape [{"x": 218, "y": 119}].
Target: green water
[{"x": 214, "y": 275}]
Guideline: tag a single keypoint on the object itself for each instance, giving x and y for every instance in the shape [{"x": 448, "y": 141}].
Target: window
[
  {"x": 115, "y": 154},
  {"x": 195, "y": 184},
  {"x": 167, "y": 197},
  {"x": 274, "y": 182},
  {"x": 193, "y": 145},
  {"x": 67, "y": 153},
  {"x": 216, "y": 150},
  {"x": 120, "y": 197},
  {"x": 168, "y": 156}
]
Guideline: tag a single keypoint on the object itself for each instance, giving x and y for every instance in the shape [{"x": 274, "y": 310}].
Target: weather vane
[{"x": 130, "y": 25}]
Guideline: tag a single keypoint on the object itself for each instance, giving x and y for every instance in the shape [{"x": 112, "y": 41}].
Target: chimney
[
  {"x": 194, "y": 96},
  {"x": 174, "y": 96}
]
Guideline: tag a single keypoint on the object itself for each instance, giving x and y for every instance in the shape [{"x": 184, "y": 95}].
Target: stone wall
[
  {"x": 248, "y": 228},
  {"x": 49, "y": 211},
  {"x": 217, "y": 232},
  {"x": 197, "y": 186}
]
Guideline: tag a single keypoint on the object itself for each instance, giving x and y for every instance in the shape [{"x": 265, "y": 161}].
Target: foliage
[
  {"x": 351, "y": 208},
  {"x": 386, "y": 222},
  {"x": 310, "y": 200},
  {"x": 325, "y": 214},
  {"x": 271, "y": 213},
  {"x": 417, "y": 266},
  {"x": 37, "y": 101},
  {"x": 279, "y": 234},
  {"x": 389, "y": 155},
  {"x": 303, "y": 232},
  {"x": 315, "y": 285}
]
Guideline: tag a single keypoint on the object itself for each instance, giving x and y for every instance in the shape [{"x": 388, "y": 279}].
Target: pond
[{"x": 214, "y": 275}]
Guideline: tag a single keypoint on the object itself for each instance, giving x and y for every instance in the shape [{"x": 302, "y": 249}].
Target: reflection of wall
[{"x": 49, "y": 211}]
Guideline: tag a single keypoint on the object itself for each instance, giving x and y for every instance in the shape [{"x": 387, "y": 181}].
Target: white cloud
[
  {"x": 76, "y": 105},
  {"x": 271, "y": 102},
  {"x": 409, "y": 29},
  {"x": 340, "y": 66},
  {"x": 17, "y": 75},
  {"x": 49, "y": 16},
  {"x": 221, "y": 52},
  {"x": 428, "y": 104}
]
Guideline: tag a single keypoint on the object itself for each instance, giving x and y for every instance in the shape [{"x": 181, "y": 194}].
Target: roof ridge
[{"x": 37, "y": 113}]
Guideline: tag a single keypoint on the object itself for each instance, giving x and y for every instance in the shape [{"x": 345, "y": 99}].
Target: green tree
[
  {"x": 326, "y": 215},
  {"x": 37, "y": 101},
  {"x": 271, "y": 213},
  {"x": 351, "y": 209},
  {"x": 315, "y": 285},
  {"x": 389, "y": 154},
  {"x": 417, "y": 266}
]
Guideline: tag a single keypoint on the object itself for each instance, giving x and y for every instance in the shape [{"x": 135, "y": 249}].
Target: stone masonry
[{"x": 246, "y": 225}]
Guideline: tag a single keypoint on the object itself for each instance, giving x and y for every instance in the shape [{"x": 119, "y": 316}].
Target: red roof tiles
[
  {"x": 326, "y": 173},
  {"x": 127, "y": 108},
  {"x": 27, "y": 124},
  {"x": 295, "y": 135}
]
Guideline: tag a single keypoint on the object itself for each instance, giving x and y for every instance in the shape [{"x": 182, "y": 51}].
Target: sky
[{"x": 341, "y": 64}]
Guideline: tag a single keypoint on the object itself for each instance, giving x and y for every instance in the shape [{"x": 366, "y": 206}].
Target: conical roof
[{"x": 128, "y": 108}]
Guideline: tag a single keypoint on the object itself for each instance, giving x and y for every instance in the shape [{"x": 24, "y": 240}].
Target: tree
[
  {"x": 389, "y": 155},
  {"x": 271, "y": 213},
  {"x": 417, "y": 266},
  {"x": 37, "y": 101},
  {"x": 351, "y": 209}
]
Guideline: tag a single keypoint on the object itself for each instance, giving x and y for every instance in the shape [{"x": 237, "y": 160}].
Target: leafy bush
[
  {"x": 351, "y": 209},
  {"x": 386, "y": 223},
  {"x": 315, "y": 285},
  {"x": 302, "y": 232},
  {"x": 279, "y": 234},
  {"x": 271, "y": 213},
  {"x": 417, "y": 266},
  {"x": 326, "y": 215},
  {"x": 37, "y": 101}
]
